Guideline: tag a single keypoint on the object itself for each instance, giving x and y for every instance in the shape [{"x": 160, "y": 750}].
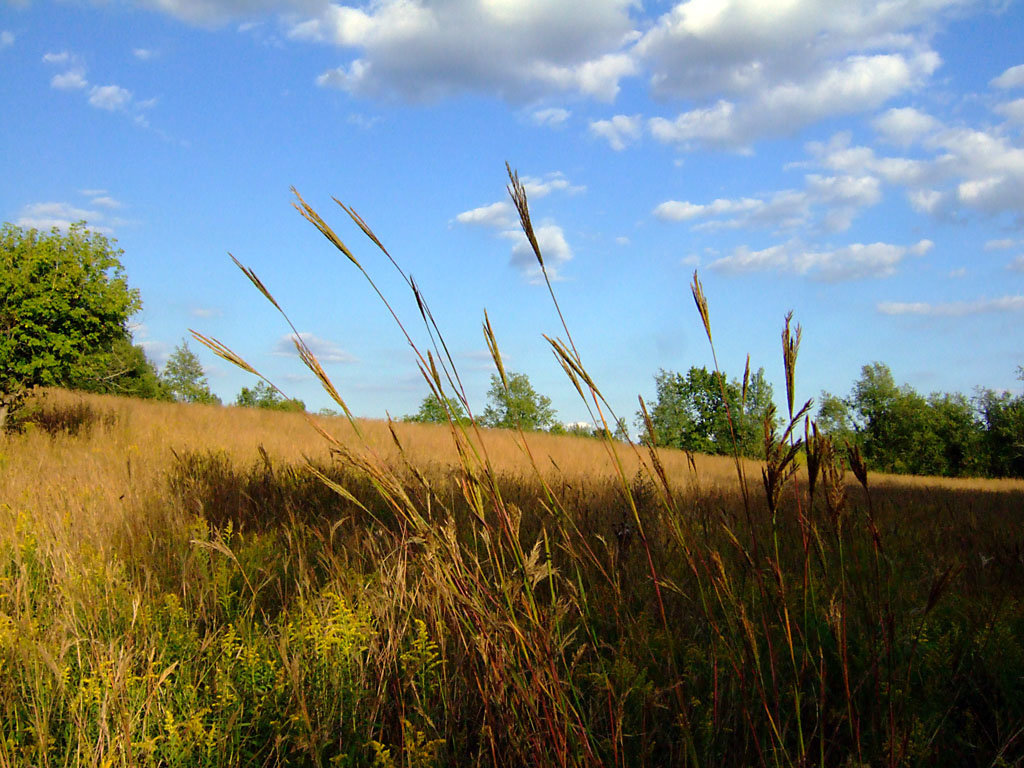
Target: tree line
[{"x": 65, "y": 305}]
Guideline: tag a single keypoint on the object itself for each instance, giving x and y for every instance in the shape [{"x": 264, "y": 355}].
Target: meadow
[
  {"x": 179, "y": 588},
  {"x": 190, "y": 585}
]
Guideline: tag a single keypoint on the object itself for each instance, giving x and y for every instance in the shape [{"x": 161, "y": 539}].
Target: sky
[{"x": 859, "y": 163}]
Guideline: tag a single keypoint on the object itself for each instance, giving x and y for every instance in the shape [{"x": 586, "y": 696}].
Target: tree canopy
[
  {"x": 185, "y": 379},
  {"x": 432, "y": 411},
  {"x": 64, "y": 299},
  {"x": 264, "y": 396},
  {"x": 688, "y": 412},
  {"x": 520, "y": 406}
]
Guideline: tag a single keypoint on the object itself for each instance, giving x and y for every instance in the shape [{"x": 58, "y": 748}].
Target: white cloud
[
  {"x": 904, "y": 126},
  {"x": 856, "y": 84},
  {"x": 553, "y": 247},
  {"x": 956, "y": 274},
  {"x": 1011, "y": 110},
  {"x": 552, "y": 116},
  {"x": 551, "y": 182},
  {"x": 325, "y": 351},
  {"x": 620, "y": 131},
  {"x": 953, "y": 308},
  {"x": 45, "y": 216},
  {"x": 143, "y": 54},
  {"x": 622, "y": 240},
  {"x": 1017, "y": 265},
  {"x": 1000, "y": 245},
  {"x": 519, "y": 50},
  {"x": 1011, "y": 78},
  {"x": 63, "y": 57},
  {"x": 6, "y": 38},
  {"x": 72, "y": 80},
  {"x": 838, "y": 199},
  {"x": 852, "y": 262},
  {"x": 105, "y": 201},
  {"x": 500, "y": 215},
  {"x": 109, "y": 97},
  {"x": 206, "y": 312}
]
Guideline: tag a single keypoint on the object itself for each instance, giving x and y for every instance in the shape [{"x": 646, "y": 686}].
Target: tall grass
[{"x": 200, "y": 585}]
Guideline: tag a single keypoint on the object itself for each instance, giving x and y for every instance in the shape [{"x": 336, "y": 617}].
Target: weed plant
[{"x": 379, "y": 603}]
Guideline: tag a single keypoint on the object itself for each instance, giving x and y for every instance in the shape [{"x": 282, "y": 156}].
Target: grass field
[{"x": 178, "y": 588}]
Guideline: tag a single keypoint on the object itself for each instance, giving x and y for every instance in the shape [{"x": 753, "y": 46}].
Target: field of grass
[{"x": 178, "y": 588}]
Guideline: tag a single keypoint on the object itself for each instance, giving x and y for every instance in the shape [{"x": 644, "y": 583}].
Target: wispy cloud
[
  {"x": 553, "y": 117},
  {"x": 326, "y": 351},
  {"x": 856, "y": 261},
  {"x": 143, "y": 54},
  {"x": 499, "y": 215},
  {"x": 953, "y": 308},
  {"x": 6, "y": 39}
]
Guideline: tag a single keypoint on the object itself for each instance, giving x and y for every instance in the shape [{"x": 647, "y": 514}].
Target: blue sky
[{"x": 861, "y": 163}]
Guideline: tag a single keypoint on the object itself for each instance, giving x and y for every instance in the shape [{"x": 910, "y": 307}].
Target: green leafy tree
[
  {"x": 432, "y": 411},
  {"x": 264, "y": 396},
  {"x": 64, "y": 298},
  {"x": 1002, "y": 415},
  {"x": 689, "y": 412},
  {"x": 124, "y": 369},
  {"x": 518, "y": 406},
  {"x": 185, "y": 379}
]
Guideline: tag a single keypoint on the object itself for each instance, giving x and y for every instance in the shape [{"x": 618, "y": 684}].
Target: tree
[
  {"x": 184, "y": 377},
  {"x": 264, "y": 396},
  {"x": 689, "y": 412},
  {"x": 122, "y": 370},
  {"x": 1002, "y": 415},
  {"x": 520, "y": 406},
  {"x": 433, "y": 412},
  {"x": 63, "y": 299}
]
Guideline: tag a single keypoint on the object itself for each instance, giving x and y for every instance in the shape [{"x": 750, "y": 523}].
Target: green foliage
[
  {"x": 185, "y": 379},
  {"x": 519, "y": 406},
  {"x": 432, "y": 411},
  {"x": 689, "y": 412},
  {"x": 64, "y": 299},
  {"x": 1003, "y": 417},
  {"x": 124, "y": 369},
  {"x": 901, "y": 431},
  {"x": 264, "y": 396}
]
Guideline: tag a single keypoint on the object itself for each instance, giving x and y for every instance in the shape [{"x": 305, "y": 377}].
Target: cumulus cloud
[
  {"x": 835, "y": 199},
  {"x": 856, "y": 84},
  {"x": 72, "y": 80},
  {"x": 1011, "y": 110},
  {"x": 1011, "y": 78},
  {"x": 1017, "y": 265},
  {"x": 62, "y": 57},
  {"x": 620, "y": 131},
  {"x": 953, "y": 308},
  {"x": 1001, "y": 244},
  {"x": 519, "y": 50},
  {"x": 904, "y": 126},
  {"x": 555, "y": 181},
  {"x": 553, "y": 246},
  {"x": 500, "y": 215},
  {"x": 852, "y": 262},
  {"x": 143, "y": 54},
  {"x": 326, "y": 351},
  {"x": 964, "y": 169},
  {"x": 109, "y": 97},
  {"x": 551, "y": 117},
  {"x": 6, "y": 38}
]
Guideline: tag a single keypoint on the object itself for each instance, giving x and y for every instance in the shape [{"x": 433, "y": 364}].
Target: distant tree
[
  {"x": 264, "y": 396},
  {"x": 835, "y": 417},
  {"x": 689, "y": 412},
  {"x": 185, "y": 379},
  {"x": 1002, "y": 415},
  {"x": 124, "y": 369},
  {"x": 520, "y": 406},
  {"x": 433, "y": 412},
  {"x": 63, "y": 299}
]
